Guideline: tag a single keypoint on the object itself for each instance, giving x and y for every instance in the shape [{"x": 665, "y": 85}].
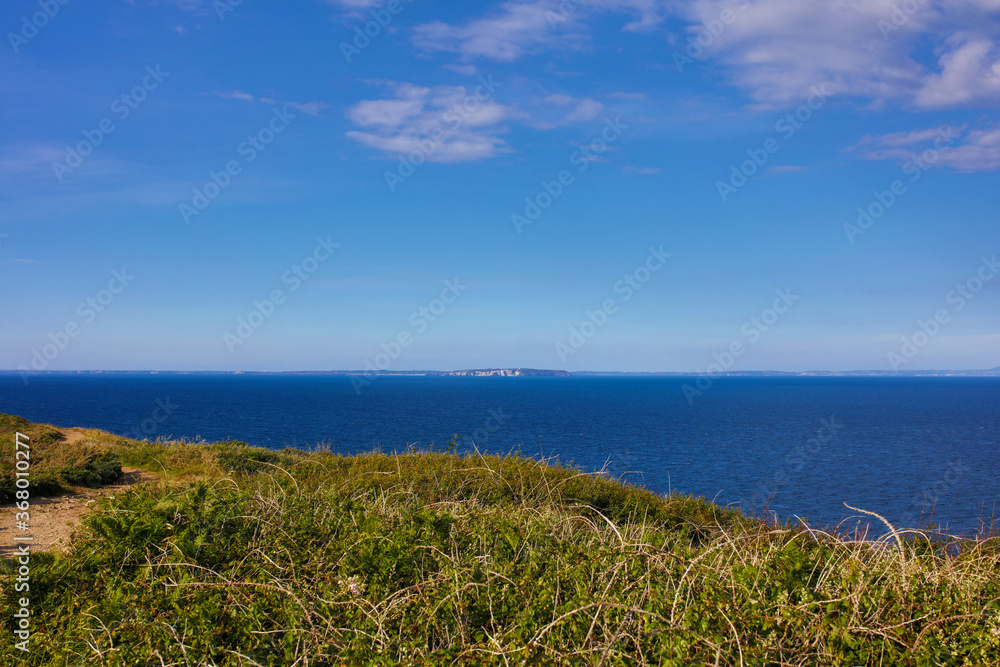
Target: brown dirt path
[
  {"x": 54, "y": 519},
  {"x": 71, "y": 435}
]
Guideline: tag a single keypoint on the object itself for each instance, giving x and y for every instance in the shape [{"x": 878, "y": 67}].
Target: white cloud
[
  {"x": 968, "y": 151},
  {"x": 467, "y": 70},
  {"x": 466, "y": 128},
  {"x": 649, "y": 14},
  {"x": 979, "y": 152},
  {"x": 897, "y": 139},
  {"x": 411, "y": 115},
  {"x": 518, "y": 28},
  {"x": 970, "y": 73},
  {"x": 776, "y": 50},
  {"x": 567, "y": 108},
  {"x": 585, "y": 110},
  {"x": 865, "y": 49},
  {"x": 514, "y": 30},
  {"x": 236, "y": 95}
]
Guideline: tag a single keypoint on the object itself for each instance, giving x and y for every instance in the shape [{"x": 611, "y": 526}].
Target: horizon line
[{"x": 502, "y": 368}]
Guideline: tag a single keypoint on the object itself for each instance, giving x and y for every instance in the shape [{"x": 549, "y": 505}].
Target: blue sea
[{"x": 911, "y": 449}]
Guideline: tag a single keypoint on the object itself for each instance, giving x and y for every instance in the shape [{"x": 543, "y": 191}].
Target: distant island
[
  {"x": 506, "y": 372},
  {"x": 993, "y": 372}
]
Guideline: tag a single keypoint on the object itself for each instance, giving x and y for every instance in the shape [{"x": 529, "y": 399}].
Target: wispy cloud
[
  {"x": 980, "y": 151},
  {"x": 642, "y": 171},
  {"x": 561, "y": 109},
  {"x": 31, "y": 165},
  {"x": 897, "y": 139},
  {"x": 969, "y": 150},
  {"x": 236, "y": 95},
  {"x": 414, "y": 115},
  {"x": 411, "y": 115},
  {"x": 646, "y": 14},
  {"x": 517, "y": 28},
  {"x": 29, "y": 159},
  {"x": 782, "y": 169},
  {"x": 513, "y": 30},
  {"x": 311, "y": 108}
]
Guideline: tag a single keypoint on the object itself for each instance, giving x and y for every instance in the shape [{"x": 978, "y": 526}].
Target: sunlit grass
[{"x": 243, "y": 556}]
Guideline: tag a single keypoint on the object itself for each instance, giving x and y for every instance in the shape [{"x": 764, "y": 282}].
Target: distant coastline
[{"x": 534, "y": 372}]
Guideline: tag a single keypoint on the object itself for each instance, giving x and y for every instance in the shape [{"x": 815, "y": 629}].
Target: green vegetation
[
  {"x": 55, "y": 468},
  {"x": 242, "y": 556}
]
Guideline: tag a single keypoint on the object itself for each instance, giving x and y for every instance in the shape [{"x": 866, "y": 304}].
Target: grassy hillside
[
  {"x": 55, "y": 468},
  {"x": 243, "y": 556}
]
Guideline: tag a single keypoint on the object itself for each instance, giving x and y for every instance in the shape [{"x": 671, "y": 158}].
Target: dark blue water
[{"x": 902, "y": 447}]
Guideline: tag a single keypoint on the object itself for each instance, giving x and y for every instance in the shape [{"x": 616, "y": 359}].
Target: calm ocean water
[{"x": 901, "y": 447}]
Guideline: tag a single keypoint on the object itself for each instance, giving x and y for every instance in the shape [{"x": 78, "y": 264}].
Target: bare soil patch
[{"x": 54, "y": 519}]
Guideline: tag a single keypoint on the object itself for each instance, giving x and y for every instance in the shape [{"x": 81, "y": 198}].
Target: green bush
[
  {"x": 240, "y": 458},
  {"x": 97, "y": 470}
]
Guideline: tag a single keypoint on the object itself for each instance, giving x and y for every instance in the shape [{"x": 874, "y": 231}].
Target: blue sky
[{"x": 217, "y": 154}]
